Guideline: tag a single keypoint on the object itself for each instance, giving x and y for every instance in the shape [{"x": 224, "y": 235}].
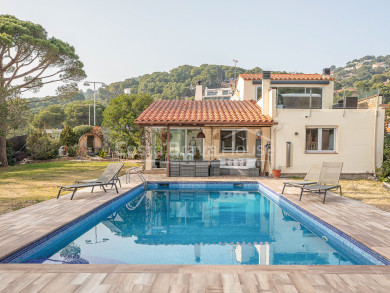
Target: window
[
  {"x": 211, "y": 93},
  {"x": 216, "y": 98},
  {"x": 258, "y": 93},
  {"x": 299, "y": 98},
  {"x": 234, "y": 141},
  {"x": 320, "y": 140},
  {"x": 184, "y": 144},
  {"x": 225, "y": 92}
]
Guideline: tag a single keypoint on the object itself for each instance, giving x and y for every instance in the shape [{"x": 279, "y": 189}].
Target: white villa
[
  {"x": 310, "y": 127},
  {"x": 273, "y": 121}
]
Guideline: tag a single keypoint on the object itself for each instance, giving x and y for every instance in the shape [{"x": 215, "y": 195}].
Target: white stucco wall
[
  {"x": 357, "y": 143},
  {"x": 359, "y": 132},
  {"x": 246, "y": 90}
]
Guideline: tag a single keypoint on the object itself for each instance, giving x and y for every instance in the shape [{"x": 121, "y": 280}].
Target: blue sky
[{"x": 119, "y": 39}]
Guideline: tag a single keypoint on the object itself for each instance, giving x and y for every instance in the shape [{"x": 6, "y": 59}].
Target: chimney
[
  {"x": 198, "y": 91},
  {"x": 326, "y": 72},
  {"x": 265, "y": 88},
  {"x": 266, "y": 75}
]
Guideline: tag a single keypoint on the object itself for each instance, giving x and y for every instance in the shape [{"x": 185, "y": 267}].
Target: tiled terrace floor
[{"x": 367, "y": 224}]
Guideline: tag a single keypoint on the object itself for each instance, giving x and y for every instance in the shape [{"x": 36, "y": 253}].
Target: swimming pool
[{"x": 231, "y": 223}]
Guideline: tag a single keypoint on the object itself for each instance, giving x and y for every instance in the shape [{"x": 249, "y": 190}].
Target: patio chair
[
  {"x": 329, "y": 179},
  {"x": 311, "y": 177},
  {"x": 111, "y": 168},
  {"x": 108, "y": 177}
]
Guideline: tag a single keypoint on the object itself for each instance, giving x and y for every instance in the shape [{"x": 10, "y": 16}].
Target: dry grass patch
[
  {"x": 367, "y": 191},
  {"x": 25, "y": 185}
]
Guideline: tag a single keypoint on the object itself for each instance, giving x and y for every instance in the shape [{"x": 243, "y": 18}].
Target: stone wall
[{"x": 370, "y": 102}]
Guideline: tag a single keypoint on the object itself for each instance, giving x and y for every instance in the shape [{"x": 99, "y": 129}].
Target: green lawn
[{"x": 25, "y": 185}]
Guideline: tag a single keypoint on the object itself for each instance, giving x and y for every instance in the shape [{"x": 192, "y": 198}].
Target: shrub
[
  {"x": 68, "y": 137},
  {"x": 81, "y": 152},
  {"x": 82, "y": 129},
  {"x": 41, "y": 145},
  {"x": 98, "y": 132},
  {"x": 102, "y": 154},
  {"x": 72, "y": 150},
  {"x": 384, "y": 171},
  {"x": 11, "y": 160}
]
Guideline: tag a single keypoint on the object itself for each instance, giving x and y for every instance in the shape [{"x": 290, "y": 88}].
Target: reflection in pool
[{"x": 195, "y": 227}]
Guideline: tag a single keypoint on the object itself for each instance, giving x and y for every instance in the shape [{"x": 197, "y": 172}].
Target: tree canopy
[
  {"x": 367, "y": 74},
  {"x": 179, "y": 82},
  {"x": 77, "y": 113},
  {"x": 120, "y": 115},
  {"x": 29, "y": 59},
  {"x": 51, "y": 117}
]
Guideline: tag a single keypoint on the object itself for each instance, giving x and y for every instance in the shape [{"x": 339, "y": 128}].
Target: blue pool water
[
  {"x": 197, "y": 223},
  {"x": 194, "y": 227}
]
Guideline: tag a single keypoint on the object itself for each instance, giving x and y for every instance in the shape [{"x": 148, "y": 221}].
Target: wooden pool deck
[{"x": 365, "y": 223}]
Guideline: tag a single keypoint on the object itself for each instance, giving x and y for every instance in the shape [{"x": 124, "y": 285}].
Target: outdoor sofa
[{"x": 240, "y": 166}]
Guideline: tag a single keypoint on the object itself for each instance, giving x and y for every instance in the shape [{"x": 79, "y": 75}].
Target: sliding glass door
[{"x": 184, "y": 144}]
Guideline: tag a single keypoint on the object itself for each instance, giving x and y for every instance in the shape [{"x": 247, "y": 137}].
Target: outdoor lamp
[
  {"x": 88, "y": 83},
  {"x": 200, "y": 135}
]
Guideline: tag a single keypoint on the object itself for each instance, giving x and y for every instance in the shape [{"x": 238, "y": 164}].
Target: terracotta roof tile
[
  {"x": 180, "y": 112},
  {"x": 283, "y": 76}
]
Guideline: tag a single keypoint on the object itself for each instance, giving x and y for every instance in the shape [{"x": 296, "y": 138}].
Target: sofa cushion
[
  {"x": 241, "y": 162},
  {"x": 235, "y": 167},
  {"x": 251, "y": 163}
]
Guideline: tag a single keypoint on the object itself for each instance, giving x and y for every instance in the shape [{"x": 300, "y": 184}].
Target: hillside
[
  {"x": 178, "y": 83},
  {"x": 364, "y": 76}
]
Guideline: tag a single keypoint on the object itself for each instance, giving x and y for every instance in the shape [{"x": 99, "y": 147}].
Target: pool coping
[{"x": 40, "y": 241}]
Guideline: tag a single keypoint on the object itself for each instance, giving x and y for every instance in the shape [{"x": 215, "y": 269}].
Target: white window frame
[
  {"x": 186, "y": 138},
  {"x": 233, "y": 140},
  {"x": 319, "y": 150}
]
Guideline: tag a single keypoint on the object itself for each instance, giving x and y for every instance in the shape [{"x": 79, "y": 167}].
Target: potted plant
[
  {"x": 158, "y": 160},
  {"x": 276, "y": 172}
]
